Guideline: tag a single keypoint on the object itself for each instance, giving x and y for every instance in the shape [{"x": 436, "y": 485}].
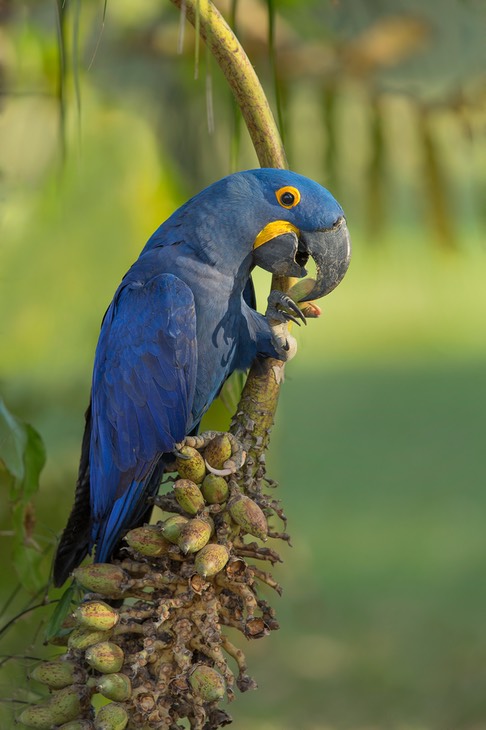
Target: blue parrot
[{"x": 182, "y": 320}]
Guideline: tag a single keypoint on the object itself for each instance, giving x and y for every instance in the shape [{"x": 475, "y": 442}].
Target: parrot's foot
[
  {"x": 281, "y": 309},
  {"x": 233, "y": 461},
  {"x": 278, "y": 315},
  {"x": 284, "y": 343}
]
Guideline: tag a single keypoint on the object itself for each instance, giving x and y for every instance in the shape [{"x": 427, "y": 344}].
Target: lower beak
[{"x": 331, "y": 251}]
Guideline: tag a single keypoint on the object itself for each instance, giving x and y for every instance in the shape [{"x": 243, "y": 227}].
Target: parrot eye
[{"x": 288, "y": 196}]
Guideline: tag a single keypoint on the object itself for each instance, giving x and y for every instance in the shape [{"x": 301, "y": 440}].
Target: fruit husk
[
  {"x": 37, "y": 716},
  {"x": 80, "y": 638},
  {"x": 214, "y": 489},
  {"x": 147, "y": 540},
  {"x": 207, "y": 683},
  {"x": 194, "y": 535},
  {"x": 66, "y": 704},
  {"x": 101, "y": 578},
  {"x": 218, "y": 451},
  {"x": 115, "y": 686},
  {"x": 111, "y": 717},
  {"x": 106, "y": 657},
  {"x": 248, "y": 515},
  {"x": 96, "y": 615},
  {"x": 188, "y": 496},
  {"x": 211, "y": 559},
  {"x": 193, "y": 468},
  {"x": 171, "y": 528},
  {"x": 55, "y": 675}
]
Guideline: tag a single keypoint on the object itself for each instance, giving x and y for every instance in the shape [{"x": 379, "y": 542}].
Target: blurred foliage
[
  {"x": 379, "y": 437},
  {"x": 22, "y": 457}
]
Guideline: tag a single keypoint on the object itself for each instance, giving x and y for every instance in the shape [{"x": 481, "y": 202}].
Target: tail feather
[
  {"x": 129, "y": 511},
  {"x": 75, "y": 540}
]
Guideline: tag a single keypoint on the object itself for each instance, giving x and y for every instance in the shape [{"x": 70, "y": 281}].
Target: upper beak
[{"x": 331, "y": 251}]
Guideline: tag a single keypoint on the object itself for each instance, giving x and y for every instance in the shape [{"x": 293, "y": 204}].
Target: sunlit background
[{"x": 379, "y": 444}]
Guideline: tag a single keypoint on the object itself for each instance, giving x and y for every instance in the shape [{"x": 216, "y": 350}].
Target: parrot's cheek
[{"x": 280, "y": 256}]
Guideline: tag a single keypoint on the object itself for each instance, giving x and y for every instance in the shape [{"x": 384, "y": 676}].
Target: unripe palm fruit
[
  {"x": 248, "y": 515},
  {"x": 192, "y": 468},
  {"x": 147, "y": 541},
  {"x": 111, "y": 717},
  {"x": 78, "y": 725},
  {"x": 171, "y": 529},
  {"x": 66, "y": 704},
  {"x": 207, "y": 683},
  {"x": 211, "y": 559},
  {"x": 214, "y": 489},
  {"x": 102, "y": 578},
  {"x": 188, "y": 496},
  {"x": 96, "y": 615},
  {"x": 194, "y": 535},
  {"x": 55, "y": 675},
  {"x": 218, "y": 451},
  {"x": 82, "y": 637},
  {"x": 37, "y": 716},
  {"x": 115, "y": 687},
  {"x": 106, "y": 657}
]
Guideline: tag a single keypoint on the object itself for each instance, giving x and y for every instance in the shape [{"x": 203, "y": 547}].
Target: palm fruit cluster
[{"x": 150, "y": 633}]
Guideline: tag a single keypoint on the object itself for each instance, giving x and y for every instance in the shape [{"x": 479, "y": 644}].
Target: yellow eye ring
[{"x": 288, "y": 196}]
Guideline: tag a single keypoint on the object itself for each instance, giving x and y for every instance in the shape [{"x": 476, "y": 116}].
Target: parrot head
[
  {"x": 272, "y": 218},
  {"x": 300, "y": 220}
]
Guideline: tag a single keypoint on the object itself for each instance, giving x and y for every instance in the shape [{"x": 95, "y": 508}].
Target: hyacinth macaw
[{"x": 181, "y": 321}]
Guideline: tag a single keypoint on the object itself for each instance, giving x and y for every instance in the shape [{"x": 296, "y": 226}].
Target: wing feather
[{"x": 142, "y": 396}]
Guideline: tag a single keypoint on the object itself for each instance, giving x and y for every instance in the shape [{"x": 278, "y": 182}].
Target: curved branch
[
  {"x": 258, "y": 403},
  {"x": 242, "y": 79}
]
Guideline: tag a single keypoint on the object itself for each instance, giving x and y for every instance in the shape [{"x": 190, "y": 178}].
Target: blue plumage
[{"x": 181, "y": 321}]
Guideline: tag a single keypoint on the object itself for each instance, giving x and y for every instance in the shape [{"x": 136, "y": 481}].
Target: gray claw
[{"x": 279, "y": 299}]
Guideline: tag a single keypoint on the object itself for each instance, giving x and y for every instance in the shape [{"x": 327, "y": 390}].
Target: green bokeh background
[{"x": 379, "y": 442}]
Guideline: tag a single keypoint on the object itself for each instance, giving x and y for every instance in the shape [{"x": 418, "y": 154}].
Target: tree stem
[{"x": 258, "y": 403}]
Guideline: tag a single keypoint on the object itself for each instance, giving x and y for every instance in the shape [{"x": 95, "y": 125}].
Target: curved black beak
[
  {"x": 331, "y": 251},
  {"x": 279, "y": 256}
]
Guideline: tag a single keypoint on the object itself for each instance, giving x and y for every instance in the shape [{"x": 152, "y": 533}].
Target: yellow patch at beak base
[{"x": 272, "y": 230}]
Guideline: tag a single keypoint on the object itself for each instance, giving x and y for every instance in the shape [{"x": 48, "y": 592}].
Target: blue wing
[{"x": 143, "y": 391}]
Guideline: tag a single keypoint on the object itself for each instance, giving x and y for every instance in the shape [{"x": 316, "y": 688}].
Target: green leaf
[
  {"x": 28, "y": 565},
  {"x": 22, "y": 455},
  {"x": 12, "y": 442},
  {"x": 34, "y": 460},
  {"x": 60, "y": 613}
]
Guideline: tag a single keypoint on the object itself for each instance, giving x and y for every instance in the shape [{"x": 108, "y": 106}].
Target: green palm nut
[
  {"x": 111, "y": 717},
  {"x": 67, "y": 703},
  {"x": 194, "y": 535},
  {"x": 172, "y": 527},
  {"x": 37, "y": 716},
  {"x": 148, "y": 541},
  {"x": 115, "y": 687},
  {"x": 106, "y": 657},
  {"x": 102, "y": 578},
  {"x": 214, "y": 489},
  {"x": 248, "y": 515},
  {"x": 78, "y": 725},
  {"x": 211, "y": 559},
  {"x": 218, "y": 451},
  {"x": 55, "y": 675},
  {"x": 81, "y": 638},
  {"x": 188, "y": 496},
  {"x": 207, "y": 683},
  {"x": 96, "y": 615},
  {"x": 192, "y": 468}
]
